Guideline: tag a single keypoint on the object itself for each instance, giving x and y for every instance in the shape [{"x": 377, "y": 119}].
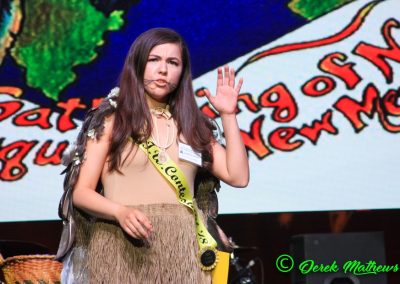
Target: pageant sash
[{"x": 208, "y": 255}]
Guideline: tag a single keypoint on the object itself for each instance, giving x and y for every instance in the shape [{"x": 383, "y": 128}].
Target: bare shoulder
[
  {"x": 109, "y": 119},
  {"x": 109, "y": 125}
]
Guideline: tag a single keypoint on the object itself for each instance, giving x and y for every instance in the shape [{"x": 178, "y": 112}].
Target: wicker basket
[{"x": 31, "y": 268}]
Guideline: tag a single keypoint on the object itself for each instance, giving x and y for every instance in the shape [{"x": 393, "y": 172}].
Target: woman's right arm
[{"x": 84, "y": 195}]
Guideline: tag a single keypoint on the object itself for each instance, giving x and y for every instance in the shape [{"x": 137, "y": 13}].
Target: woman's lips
[{"x": 160, "y": 83}]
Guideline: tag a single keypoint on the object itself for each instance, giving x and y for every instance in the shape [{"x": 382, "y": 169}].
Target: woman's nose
[{"x": 163, "y": 68}]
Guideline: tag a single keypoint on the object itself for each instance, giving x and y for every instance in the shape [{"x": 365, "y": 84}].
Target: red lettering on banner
[
  {"x": 280, "y": 139},
  {"x": 247, "y": 99},
  {"x": 370, "y": 104},
  {"x": 96, "y": 102},
  {"x": 12, "y": 157},
  {"x": 283, "y": 102},
  {"x": 254, "y": 140},
  {"x": 318, "y": 86},
  {"x": 9, "y": 108},
  {"x": 279, "y": 98},
  {"x": 344, "y": 72},
  {"x": 55, "y": 158},
  {"x": 313, "y": 132},
  {"x": 200, "y": 92},
  {"x": 389, "y": 102},
  {"x": 208, "y": 111},
  {"x": 378, "y": 55},
  {"x": 34, "y": 117},
  {"x": 352, "y": 109},
  {"x": 390, "y": 107},
  {"x": 64, "y": 122}
]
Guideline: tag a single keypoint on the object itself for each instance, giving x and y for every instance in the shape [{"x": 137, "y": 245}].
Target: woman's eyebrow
[{"x": 172, "y": 57}]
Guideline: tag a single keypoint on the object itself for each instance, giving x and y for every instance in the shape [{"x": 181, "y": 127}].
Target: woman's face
[{"x": 163, "y": 71}]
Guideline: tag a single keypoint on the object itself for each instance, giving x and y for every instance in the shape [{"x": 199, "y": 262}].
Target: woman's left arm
[{"x": 231, "y": 165}]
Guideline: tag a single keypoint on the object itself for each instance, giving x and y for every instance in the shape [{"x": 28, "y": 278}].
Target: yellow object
[
  {"x": 174, "y": 175},
  {"x": 220, "y": 272}
]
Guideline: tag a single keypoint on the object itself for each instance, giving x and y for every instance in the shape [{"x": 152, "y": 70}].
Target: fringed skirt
[{"x": 105, "y": 254}]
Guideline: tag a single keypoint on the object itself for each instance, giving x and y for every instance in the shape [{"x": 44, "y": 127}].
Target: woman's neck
[{"x": 152, "y": 103}]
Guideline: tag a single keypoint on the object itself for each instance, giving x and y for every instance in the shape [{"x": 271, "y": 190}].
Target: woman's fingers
[
  {"x": 226, "y": 76},
  {"x": 142, "y": 232},
  {"x": 239, "y": 86},
  {"x": 220, "y": 80},
  {"x": 145, "y": 222},
  {"x": 134, "y": 228},
  {"x": 131, "y": 230},
  {"x": 134, "y": 222},
  {"x": 231, "y": 77}
]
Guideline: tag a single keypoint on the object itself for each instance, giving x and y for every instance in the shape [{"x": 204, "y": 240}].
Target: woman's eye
[
  {"x": 153, "y": 59},
  {"x": 174, "y": 63}
]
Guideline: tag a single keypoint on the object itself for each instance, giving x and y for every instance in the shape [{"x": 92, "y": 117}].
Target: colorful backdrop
[{"x": 319, "y": 109}]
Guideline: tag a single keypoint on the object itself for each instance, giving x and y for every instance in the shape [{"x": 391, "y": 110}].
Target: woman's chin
[{"x": 157, "y": 98}]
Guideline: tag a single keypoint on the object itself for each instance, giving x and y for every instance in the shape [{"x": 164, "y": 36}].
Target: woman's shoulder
[
  {"x": 100, "y": 120},
  {"x": 109, "y": 120}
]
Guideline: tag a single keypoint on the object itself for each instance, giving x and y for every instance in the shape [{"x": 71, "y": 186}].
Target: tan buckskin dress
[{"x": 103, "y": 253}]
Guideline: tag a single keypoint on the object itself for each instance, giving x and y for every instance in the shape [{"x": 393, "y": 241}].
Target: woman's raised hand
[
  {"x": 225, "y": 100},
  {"x": 134, "y": 222}
]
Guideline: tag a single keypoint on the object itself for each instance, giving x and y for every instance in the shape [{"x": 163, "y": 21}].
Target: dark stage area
[{"x": 261, "y": 238}]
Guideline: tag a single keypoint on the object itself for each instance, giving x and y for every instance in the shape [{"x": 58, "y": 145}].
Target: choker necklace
[{"x": 161, "y": 112}]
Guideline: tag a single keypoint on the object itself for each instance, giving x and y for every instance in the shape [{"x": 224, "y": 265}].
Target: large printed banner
[{"x": 319, "y": 109}]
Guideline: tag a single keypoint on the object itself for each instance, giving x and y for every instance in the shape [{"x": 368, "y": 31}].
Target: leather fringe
[{"x": 169, "y": 256}]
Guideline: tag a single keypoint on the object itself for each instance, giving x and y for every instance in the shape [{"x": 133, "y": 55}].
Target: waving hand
[{"x": 225, "y": 100}]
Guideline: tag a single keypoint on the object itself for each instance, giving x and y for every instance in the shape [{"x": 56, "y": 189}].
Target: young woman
[{"x": 143, "y": 233}]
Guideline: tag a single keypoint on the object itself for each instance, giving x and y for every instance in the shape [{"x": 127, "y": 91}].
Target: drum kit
[{"x": 238, "y": 272}]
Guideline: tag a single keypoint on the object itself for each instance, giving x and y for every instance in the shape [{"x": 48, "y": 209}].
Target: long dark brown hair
[{"x": 132, "y": 116}]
